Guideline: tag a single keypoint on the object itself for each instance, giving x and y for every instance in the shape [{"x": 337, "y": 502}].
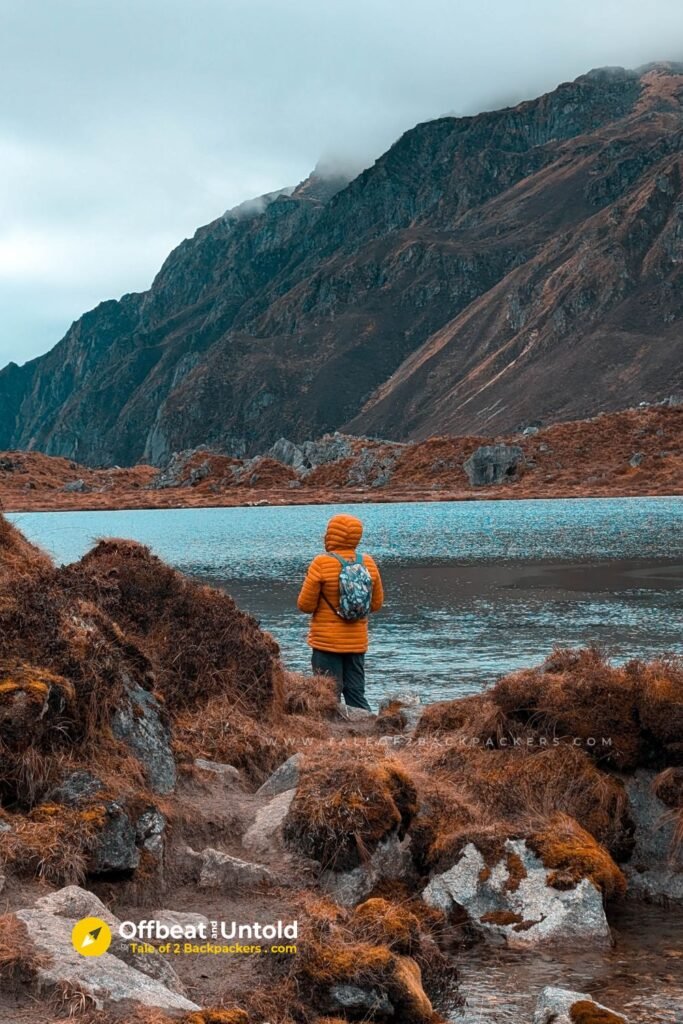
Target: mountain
[{"x": 523, "y": 264}]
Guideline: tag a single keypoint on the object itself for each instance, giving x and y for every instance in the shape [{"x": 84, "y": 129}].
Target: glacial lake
[{"x": 474, "y": 589}]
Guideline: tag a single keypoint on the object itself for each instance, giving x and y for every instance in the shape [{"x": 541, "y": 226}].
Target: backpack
[{"x": 355, "y": 589}]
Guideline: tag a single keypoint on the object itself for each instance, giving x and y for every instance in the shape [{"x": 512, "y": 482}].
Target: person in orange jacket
[{"x": 339, "y": 646}]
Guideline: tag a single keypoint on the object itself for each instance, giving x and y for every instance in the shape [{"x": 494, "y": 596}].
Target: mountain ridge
[{"x": 447, "y": 287}]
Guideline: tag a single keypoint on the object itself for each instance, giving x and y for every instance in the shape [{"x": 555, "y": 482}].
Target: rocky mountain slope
[{"x": 486, "y": 272}]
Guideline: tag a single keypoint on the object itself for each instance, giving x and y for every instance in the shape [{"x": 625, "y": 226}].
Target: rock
[
  {"x": 226, "y": 772},
  {"x": 76, "y": 789},
  {"x": 214, "y": 869},
  {"x": 220, "y": 870},
  {"x": 284, "y": 778},
  {"x": 265, "y": 834},
  {"x": 636, "y": 459},
  {"x": 180, "y": 918},
  {"x": 391, "y": 861},
  {"x": 353, "y": 714},
  {"x": 288, "y": 453},
  {"x": 655, "y": 870},
  {"x": 74, "y": 903},
  {"x": 493, "y": 464},
  {"x": 366, "y": 1001},
  {"x": 149, "y": 831},
  {"x": 530, "y": 431},
  {"x": 554, "y": 1006},
  {"x": 139, "y": 725},
  {"x": 5, "y": 827},
  {"x": 522, "y": 911},
  {"x": 75, "y": 487},
  {"x": 307, "y": 456},
  {"x": 411, "y": 708},
  {"x": 374, "y": 468},
  {"x": 115, "y": 848},
  {"x": 105, "y": 978}
]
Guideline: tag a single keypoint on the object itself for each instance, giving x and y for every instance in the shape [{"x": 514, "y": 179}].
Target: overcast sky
[{"x": 125, "y": 124}]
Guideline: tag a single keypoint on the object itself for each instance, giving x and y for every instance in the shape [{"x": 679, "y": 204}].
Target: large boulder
[
  {"x": 119, "y": 974},
  {"x": 514, "y": 901},
  {"x": 493, "y": 464},
  {"x": 655, "y": 870},
  {"x": 562, "y": 1006},
  {"x": 74, "y": 903}
]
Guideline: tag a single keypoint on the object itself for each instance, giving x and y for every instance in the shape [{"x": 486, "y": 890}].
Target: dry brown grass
[
  {"x": 573, "y": 854},
  {"x": 20, "y": 961},
  {"x": 313, "y": 696},
  {"x": 576, "y": 697},
  {"x": 198, "y": 641},
  {"x": 332, "y": 952},
  {"x": 477, "y": 718},
  {"x": 586, "y": 1012},
  {"x": 623, "y": 716},
  {"x": 517, "y": 785},
  {"x": 234, "y": 1016},
  {"x": 344, "y": 808}
]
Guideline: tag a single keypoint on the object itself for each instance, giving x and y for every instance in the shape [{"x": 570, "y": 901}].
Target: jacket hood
[{"x": 343, "y": 533}]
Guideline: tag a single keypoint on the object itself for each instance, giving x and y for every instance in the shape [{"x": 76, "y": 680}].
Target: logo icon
[{"x": 91, "y": 936}]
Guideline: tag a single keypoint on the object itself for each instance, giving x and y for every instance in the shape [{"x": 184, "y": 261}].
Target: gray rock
[
  {"x": 411, "y": 710},
  {"x": 655, "y": 870},
  {"x": 493, "y": 464},
  {"x": 360, "y": 1000},
  {"x": 288, "y": 453},
  {"x": 554, "y": 1006},
  {"x": 149, "y": 831},
  {"x": 542, "y": 914},
  {"x": 75, "y": 487},
  {"x": 352, "y": 714},
  {"x": 284, "y": 778},
  {"x": 76, "y": 789},
  {"x": 265, "y": 834},
  {"x": 105, "y": 978},
  {"x": 115, "y": 848},
  {"x": 391, "y": 861},
  {"x": 636, "y": 460},
  {"x": 180, "y": 918},
  {"x": 5, "y": 827},
  {"x": 226, "y": 772},
  {"x": 139, "y": 725},
  {"x": 75, "y": 903},
  {"x": 220, "y": 870}
]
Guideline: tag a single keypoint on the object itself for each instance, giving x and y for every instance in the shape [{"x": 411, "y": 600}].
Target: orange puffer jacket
[{"x": 328, "y": 632}]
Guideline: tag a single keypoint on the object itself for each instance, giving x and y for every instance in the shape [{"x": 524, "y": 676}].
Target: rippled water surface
[
  {"x": 641, "y": 976},
  {"x": 473, "y": 588}
]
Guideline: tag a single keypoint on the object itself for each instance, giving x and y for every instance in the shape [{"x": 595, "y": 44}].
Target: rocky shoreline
[
  {"x": 629, "y": 453},
  {"x": 158, "y": 763}
]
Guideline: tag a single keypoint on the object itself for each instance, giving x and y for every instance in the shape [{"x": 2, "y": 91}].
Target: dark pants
[{"x": 348, "y": 670}]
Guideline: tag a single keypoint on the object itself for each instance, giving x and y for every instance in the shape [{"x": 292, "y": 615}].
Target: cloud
[{"x": 124, "y": 126}]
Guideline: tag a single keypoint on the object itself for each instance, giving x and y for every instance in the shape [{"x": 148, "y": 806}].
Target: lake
[{"x": 474, "y": 589}]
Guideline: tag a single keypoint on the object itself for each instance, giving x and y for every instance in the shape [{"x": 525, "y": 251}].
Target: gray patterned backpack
[{"x": 355, "y": 589}]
